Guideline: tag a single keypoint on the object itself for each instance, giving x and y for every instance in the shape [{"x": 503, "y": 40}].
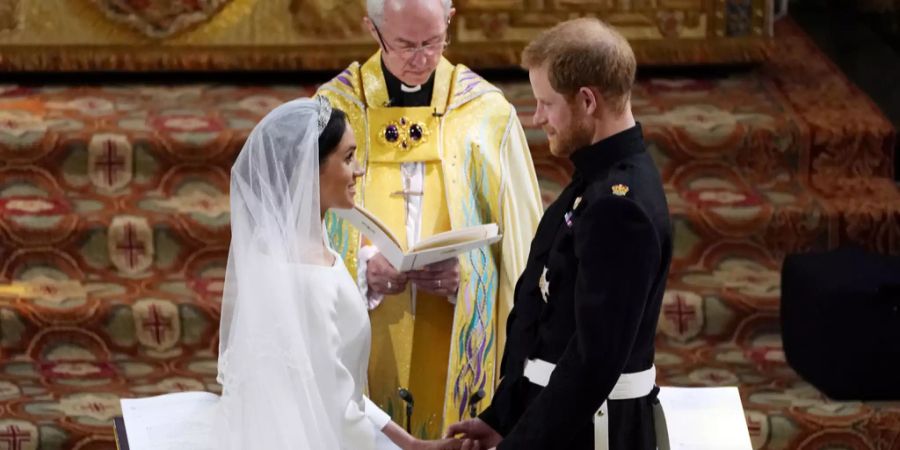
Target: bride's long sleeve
[{"x": 376, "y": 415}]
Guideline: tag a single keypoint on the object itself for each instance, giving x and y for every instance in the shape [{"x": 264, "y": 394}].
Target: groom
[{"x": 578, "y": 364}]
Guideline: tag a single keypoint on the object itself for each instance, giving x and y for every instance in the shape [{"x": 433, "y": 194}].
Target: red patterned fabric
[{"x": 114, "y": 234}]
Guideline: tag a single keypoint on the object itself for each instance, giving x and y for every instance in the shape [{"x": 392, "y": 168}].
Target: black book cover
[{"x": 121, "y": 436}]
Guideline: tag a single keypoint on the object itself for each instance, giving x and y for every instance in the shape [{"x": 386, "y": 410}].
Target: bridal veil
[{"x": 278, "y": 385}]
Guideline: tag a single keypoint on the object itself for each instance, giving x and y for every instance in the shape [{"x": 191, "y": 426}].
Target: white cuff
[
  {"x": 365, "y": 254},
  {"x": 452, "y": 299},
  {"x": 378, "y": 417}
]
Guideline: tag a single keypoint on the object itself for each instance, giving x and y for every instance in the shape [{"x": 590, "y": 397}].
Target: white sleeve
[
  {"x": 521, "y": 212},
  {"x": 376, "y": 415},
  {"x": 365, "y": 254}
]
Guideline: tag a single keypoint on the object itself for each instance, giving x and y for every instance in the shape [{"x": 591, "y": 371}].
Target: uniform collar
[{"x": 598, "y": 157}]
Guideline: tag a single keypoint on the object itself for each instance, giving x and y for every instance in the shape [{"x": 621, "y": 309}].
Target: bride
[{"x": 295, "y": 336}]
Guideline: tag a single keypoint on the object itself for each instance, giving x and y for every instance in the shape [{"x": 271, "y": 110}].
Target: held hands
[
  {"x": 439, "y": 444},
  {"x": 475, "y": 434},
  {"x": 446, "y": 444},
  {"x": 440, "y": 278}
]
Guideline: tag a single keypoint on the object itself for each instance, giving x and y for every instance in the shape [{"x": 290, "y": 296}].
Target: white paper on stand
[
  {"x": 177, "y": 421},
  {"x": 705, "y": 418}
]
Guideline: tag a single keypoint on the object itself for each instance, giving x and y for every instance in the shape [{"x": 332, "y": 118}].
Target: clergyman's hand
[
  {"x": 440, "y": 278},
  {"x": 475, "y": 430},
  {"x": 382, "y": 278}
]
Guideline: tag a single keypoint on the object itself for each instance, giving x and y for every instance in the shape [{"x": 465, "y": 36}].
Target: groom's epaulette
[
  {"x": 347, "y": 81},
  {"x": 469, "y": 86}
]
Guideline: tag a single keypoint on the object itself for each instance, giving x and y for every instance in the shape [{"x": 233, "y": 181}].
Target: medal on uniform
[
  {"x": 544, "y": 285},
  {"x": 568, "y": 217}
]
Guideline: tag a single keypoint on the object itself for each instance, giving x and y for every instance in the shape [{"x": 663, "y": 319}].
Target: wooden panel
[{"x": 73, "y": 35}]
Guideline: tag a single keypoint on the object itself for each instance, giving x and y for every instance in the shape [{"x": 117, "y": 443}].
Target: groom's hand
[
  {"x": 382, "y": 278},
  {"x": 440, "y": 278},
  {"x": 476, "y": 430}
]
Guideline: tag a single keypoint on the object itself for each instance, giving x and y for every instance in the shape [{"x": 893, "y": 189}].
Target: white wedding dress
[
  {"x": 351, "y": 338},
  {"x": 270, "y": 397},
  {"x": 267, "y": 394},
  {"x": 294, "y": 337}
]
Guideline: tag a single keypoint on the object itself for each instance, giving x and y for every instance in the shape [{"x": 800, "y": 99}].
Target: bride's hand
[{"x": 440, "y": 444}]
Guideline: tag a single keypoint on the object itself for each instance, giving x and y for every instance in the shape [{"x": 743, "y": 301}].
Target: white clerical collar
[{"x": 410, "y": 89}]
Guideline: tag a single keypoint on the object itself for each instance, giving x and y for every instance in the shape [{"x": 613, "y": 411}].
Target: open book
[
  {"x": 427, "y": 251},
  {"x": 177, "y": 421}
]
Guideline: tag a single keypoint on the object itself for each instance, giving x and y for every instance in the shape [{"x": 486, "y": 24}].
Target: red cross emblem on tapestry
[
  {"x": 758, "y": 426},
  {"x": 110, "y": 161},
  {"x": 682, "y": 314},
  {"x": 130, "y": 244},
  {"x": 18, "y": 435},
  {"x": 158, "y": 323}
]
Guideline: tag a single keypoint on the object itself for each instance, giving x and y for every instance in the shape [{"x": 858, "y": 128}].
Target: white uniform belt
[{"x": 629, "y": 386}]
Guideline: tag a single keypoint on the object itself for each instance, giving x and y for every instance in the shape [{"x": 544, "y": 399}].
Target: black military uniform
[{"x": 589, "y": 302}]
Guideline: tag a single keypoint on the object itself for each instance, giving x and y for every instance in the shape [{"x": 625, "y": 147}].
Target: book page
[
  {"x": 457, "y": 237},
  {"x": 705, "y": 418},
  {"x": 420, "y": 259},
  {"x": 371, "y": 227},
  {"x": 430, "y": 250},
  {"x": 170, "y": 422}
]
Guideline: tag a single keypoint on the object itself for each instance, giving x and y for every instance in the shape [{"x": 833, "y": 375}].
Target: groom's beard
[{"x": 578, "y": 136}]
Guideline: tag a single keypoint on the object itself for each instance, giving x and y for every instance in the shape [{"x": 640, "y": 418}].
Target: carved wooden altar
[{"x": 74, "y": 35}]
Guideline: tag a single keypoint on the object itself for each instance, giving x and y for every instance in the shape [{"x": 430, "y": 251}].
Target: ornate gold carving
[
  {"x": 328, "y": 34},
  {"x": 160, "y": 19},
  {"x": 328, "y": 18},
  {"x": 10, "y": 15}
]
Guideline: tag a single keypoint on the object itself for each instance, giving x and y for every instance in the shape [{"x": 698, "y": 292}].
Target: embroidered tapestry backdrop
[
  {"x": 74, "y": 35},
  {"x": 114, "y": 233}
]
